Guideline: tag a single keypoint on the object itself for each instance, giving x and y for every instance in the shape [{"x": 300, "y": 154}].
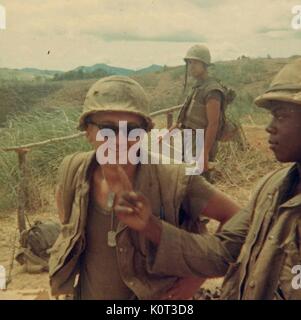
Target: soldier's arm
[
  {"x": 59, "y": 203},
  {"x": 213, "y": 110},
  {"x": 202, "y": 255},
  {"x": 174, "y": 251},
  {"x": 60, "y": 182},
  {"x": 220, "y": 207},
  {"x": 177, "y": 252},
  {"x": 202, "y": 199}
]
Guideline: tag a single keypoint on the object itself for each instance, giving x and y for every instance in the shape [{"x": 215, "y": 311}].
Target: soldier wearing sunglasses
[{"x": 96, "y": 256}]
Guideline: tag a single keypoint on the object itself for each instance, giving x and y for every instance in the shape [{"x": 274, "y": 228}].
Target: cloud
[
  {"x": 135, "y": 33},
  {"x": 266, "y": 30},
  {"x": 168, "y": 37}
]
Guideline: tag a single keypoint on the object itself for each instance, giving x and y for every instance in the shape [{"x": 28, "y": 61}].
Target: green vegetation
[
  {"x": 80, "y": 75},
  {"x": 33, "y": 111},
  {"x": 20, "y": 96},
  {"x": 42, "y": 161},
  {"x": 240, "y": 72}
]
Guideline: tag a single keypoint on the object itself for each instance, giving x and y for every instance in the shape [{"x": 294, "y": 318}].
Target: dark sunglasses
[{"x": 115, "y": 127}]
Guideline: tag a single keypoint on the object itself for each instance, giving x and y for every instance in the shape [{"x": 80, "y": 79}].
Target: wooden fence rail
[
  {"x": 169, "y": 120},
  {"x": 22, "y": 151}
]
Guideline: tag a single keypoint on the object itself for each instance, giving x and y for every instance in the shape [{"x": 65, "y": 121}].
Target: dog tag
[{"x": 112, "y": 238}]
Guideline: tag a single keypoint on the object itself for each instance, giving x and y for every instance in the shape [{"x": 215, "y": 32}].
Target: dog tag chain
[{"x": 111, "y": 238}]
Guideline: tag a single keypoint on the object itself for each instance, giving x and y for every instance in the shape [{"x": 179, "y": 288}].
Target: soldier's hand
[
  {"x": 183, "y": 289},
  {"x": 134, "y": 210}
]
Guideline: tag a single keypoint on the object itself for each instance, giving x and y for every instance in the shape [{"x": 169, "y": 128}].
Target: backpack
[
  {"x": 229, "y": 127},
  {"x": 35, "y": 244}
]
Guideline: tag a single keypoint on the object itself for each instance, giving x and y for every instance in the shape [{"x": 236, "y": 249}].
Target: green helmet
[
  {"x": 117, "y": 94},
  {"x": 286, "y": 86},
  {"x": 199, "y": 52}
]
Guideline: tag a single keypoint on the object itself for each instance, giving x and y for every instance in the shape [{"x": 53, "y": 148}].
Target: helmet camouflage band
[
  {"x": 199, "y": 52},
  {"x": 286, "y": 86},
  {"x": 116, "y": 94}
]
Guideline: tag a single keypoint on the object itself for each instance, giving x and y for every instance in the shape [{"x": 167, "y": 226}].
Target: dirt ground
[{"x": 35, "y": 286}]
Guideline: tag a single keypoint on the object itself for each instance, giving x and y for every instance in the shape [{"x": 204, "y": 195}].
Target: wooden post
[
  {"x": 22, "y": 189},
  {"x": 169, "y": 117}
]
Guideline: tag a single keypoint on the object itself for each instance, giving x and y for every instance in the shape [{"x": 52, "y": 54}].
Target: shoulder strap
[{"x": 68, "y": 171}]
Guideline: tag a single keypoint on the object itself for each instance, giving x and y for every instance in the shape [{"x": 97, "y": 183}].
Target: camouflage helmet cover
[
  {"x": 116, "y": 94},
  {"x": 199, "y": 52},
  {"x": 286, "y": 86}
]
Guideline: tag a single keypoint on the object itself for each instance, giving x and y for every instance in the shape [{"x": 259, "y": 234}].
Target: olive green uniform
[
  {"x": 170, "y": 192},
  {"x": 98, "y": 258},
  {"x": 193, "y": 114},
  {"x": 256, "y": 249}
]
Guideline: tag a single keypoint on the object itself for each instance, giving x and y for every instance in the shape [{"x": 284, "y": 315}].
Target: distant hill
[
  {"x": 152, "y": 68},
  {"x": 13, "y": 74},
  {"x": 83, "y": 72},
  {"x": 109, "y": 69},
  {"x": 26, "y": 74},
  {"x": 79, "y": 74},
  {"x": 39, "y": 72},
  {"x": 247, "y": 76},
  {"x": 102, "y": 70},
  {"x": 119, "y": 71}
]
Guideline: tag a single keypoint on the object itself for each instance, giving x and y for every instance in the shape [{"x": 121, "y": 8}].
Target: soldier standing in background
[{"x": 203, "y": 107}]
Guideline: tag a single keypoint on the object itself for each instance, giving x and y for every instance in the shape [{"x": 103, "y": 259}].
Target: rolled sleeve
[
  {"x": 182, "y": 254},
  {"x": 214, "y": 94},
  {"x": 197, "y": 196}
]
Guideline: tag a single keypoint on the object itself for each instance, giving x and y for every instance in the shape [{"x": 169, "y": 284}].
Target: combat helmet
[
  {"x": 116, "y": 94},
  {"x": 199, "y": 52},
  {"x": 286, "y": 86}
]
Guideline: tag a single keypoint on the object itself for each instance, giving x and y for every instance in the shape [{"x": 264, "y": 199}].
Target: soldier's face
[
  {"x": 285, "y": 131},
  {"x": 110, "y": 120},
  {"x": 196, "y": 68}
]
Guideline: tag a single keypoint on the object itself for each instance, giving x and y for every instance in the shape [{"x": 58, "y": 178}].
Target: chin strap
[{"x": 185, "y": 81}]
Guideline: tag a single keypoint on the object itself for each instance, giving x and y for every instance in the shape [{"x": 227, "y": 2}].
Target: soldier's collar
[
  {"x": 92, "y": 163},
  {"x": 299, "y": 169},
  {"x": 288, "y": 184}
]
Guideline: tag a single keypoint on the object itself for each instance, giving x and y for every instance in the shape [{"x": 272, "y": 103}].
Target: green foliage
[
  {"x": 239, "y": 73},
  {"x": 37, "y": 111},
  {"x": 177, "y": 73},
  {"x": 42, "y": 161},
  {"x": 80, "y": 75},
  {"x": 22, "y": 96}
]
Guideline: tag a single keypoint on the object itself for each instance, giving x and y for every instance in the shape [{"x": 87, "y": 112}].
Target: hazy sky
[{"x": 137, "y": 33}]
